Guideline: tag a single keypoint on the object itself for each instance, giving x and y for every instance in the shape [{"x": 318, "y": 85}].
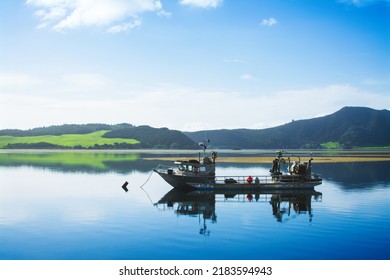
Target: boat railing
[
  {"x": 242, "y": 179},
  {"x": 260, "y": 179}
]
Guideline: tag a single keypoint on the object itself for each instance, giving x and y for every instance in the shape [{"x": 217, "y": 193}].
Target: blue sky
[{"x": 190, "y": 64}]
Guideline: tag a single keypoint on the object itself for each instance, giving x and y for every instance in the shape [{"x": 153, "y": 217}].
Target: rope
[
  {"x": 148, "y": 197},
  {"x": 124, "y": 186},
  {"x": 141, "y": 187},
  {"x": 151, "y": 173}
]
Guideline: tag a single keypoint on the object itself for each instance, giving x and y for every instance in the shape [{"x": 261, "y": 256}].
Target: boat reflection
[
  {"x": 293, "y": 202},
  {"x": 202, "y": 204}
]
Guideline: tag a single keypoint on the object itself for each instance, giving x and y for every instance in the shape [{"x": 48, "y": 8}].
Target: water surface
[{"x": 71, "y": 206}]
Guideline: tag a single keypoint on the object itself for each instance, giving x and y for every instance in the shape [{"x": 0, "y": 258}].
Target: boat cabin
[{"x": 194, "y": 168}]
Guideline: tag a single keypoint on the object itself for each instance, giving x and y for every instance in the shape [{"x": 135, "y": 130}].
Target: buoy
[{"x": 124, "y": 186}]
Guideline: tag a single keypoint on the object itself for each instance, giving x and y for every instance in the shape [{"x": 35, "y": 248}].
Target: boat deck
[{"x": 259, "y": 182}]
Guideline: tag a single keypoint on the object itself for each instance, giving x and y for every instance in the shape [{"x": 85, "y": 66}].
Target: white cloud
[
  {"x": 84, "y": 81},
  {"x": 269, "y": 22},
  {"x": 202, "y": 3},
  {"x": 51, "y": 15},
  {"x": 115, "y": 15},
  {"x": 17, "y": 80},
  {"x": 163, "y": 13},
  {"x": 124, "y": 26},
  {"x": 376, "y": 82},
  {"x": 361, "y": 3},
  {"x": 168, "y": 105},
  {"x": 247, "y": 77}
]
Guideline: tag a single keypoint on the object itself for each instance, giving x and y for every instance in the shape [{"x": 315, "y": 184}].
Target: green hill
[
  {"x": 95, "y": 136},
  {"x": 60, "y": 130}
]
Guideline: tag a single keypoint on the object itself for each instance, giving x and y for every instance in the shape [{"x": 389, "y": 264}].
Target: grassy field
[
  {"x": 331, "y": 145},
  {"x": 67, "y": 140}
]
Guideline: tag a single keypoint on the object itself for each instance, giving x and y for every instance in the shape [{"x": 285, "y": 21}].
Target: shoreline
[
  {"x": 267, "y": 159},
  {"x": 230, "y": 156}
]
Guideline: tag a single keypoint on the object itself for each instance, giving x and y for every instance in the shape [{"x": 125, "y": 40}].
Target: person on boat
[
  {"x": 275, "y": 170},
  {"x": 249, "y": 180}
]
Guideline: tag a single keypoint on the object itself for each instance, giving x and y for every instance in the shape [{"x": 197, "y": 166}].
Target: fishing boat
[{"x": 200, "y": 174}]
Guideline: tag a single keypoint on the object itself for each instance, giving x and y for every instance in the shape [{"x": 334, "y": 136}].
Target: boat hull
[{"x": 185, "y": 182}]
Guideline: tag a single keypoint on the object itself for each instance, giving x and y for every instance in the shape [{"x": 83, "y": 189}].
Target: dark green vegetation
[
  {"x": 159, "y": 138},
  {"x": 349, "y": 127},
  {"x": 95, "y": 136}
]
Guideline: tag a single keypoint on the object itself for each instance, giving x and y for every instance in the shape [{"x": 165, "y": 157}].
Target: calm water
[{"x": 72, "y": 206}]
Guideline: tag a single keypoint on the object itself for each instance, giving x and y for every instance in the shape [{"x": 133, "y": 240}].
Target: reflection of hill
[
  {"x": 356, "y": 174},
  {"x": 88, "y": 162}
]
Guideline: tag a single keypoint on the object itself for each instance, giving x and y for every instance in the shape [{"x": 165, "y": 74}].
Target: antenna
[{"x": 204, "y": 144}]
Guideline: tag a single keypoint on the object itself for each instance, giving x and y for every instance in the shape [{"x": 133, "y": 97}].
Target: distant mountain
[{"x": 346, "y": 128}]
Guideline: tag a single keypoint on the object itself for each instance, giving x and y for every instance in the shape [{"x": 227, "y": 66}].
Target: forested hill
[
  {"x": 150, "y": 137},
  {"x": 346, "y": 128},
  {"x": 95, "y": 136},
  {"x": 61, "y": 129}
]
